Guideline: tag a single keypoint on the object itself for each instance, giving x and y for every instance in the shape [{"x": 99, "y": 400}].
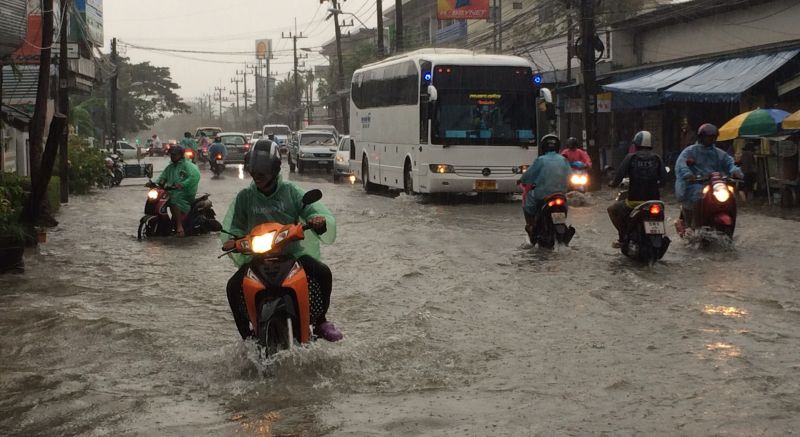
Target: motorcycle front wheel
[
  {"x": 145, "y": 227},
  {"x": 276, "y": 335}
]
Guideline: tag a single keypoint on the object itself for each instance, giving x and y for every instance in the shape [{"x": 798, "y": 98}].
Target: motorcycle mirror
[{"x": 311, "y": 196}]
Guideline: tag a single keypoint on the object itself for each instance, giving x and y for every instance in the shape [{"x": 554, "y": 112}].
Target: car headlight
[
  {"x": 262, "y": 243},
  {"x": 721, "y": 193},
  {"x": 442, "y": 168},
  {"x": 152, "y": 194},
  {"x": 339, "y": 159}
]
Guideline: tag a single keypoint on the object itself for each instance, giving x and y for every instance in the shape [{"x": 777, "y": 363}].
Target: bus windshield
[{"x": 483, "y": 106}]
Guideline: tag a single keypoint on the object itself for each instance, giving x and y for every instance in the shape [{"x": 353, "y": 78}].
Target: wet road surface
[{"x": 453, "y": 326}]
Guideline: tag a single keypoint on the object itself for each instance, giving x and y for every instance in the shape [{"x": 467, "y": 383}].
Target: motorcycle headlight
[
  {"x": 262, "y": 243},
  {"x": 152, "y": 194},
  {"x": 721, "y": 193}
]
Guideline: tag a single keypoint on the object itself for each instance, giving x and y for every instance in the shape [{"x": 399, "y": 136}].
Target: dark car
[{"x": 236, "y": 145}]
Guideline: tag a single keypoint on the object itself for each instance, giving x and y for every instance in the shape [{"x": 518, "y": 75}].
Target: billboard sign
[
  {"x": 263, "y": 49},
  {"x": 462, "y": 9}
]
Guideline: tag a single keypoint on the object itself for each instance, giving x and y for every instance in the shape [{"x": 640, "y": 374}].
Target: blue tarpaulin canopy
[
  {"x": 716, "y": 81},
  {"x": 727, "y": 80}
]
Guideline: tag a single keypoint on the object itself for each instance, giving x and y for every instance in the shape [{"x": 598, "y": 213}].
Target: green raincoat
[
  {"x": 252, "y": 207},
  {"x": 189, "y": 143},
  {"x": 188, "y": 175}
]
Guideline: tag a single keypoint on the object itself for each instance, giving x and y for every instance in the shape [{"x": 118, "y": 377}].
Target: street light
[{"x": 334, "y": 11}]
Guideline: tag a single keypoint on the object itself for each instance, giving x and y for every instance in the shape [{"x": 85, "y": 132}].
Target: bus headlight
[
  {"x": 442, "y": 168},
  {"x": 519, "y": 170}
]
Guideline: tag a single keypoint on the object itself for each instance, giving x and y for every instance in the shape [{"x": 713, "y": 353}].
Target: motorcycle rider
[
  {"x": 189, "y": 143},
  {"x": 184, "y": 176},
  {"x": 217, "y": 147},
  {"x": 548, "y": 175},
  {"x": 155, "y": 144},
  {"x": 204, "y": 143},
  {"x": 574, "y": 154},
  {"x": 271, "y": 199},
  {"x": 705, "y": 158},
  {"x": 646, "y": 172}
]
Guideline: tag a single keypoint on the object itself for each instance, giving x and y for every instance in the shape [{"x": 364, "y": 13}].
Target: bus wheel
[
  {"x": 408, "y": 181},
  {"x": 369, "y": 187}
]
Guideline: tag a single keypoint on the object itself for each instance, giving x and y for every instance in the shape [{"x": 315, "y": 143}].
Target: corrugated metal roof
[
  {"x": 20, "y": 86},
  {"x": 13, "y": 25}
]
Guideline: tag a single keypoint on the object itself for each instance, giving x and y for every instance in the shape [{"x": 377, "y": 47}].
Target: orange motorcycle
[{"x": 276, "y": 288}]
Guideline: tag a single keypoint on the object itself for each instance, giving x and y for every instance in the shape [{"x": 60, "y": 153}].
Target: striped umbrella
[
  {"x": 791, "y": 122},
  {"x": 758, "y": 123}
]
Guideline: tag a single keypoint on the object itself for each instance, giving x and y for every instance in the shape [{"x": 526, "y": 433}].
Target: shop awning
[
  {"x": 655, "y": 81},
  {"x": 726, "y": 80}
]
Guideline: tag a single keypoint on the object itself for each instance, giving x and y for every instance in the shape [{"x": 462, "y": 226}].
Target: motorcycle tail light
[
  {"x": 218, "y": 156},
  {"x": 655, "y": 209},
  {"x": 556, "y": 202}
]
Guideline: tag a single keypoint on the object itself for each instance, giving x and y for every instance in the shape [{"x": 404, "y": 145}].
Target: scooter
[
  {"x": 276, "y": 288},
  {"x": 156, "y": 221},
  {"x": 551, "y": 223},
  {"x": 645, "y": 239},
  {"x": 190, "y": 155},
  {"x": 716, "y": 210},
  {"x": 115, "y": 170},
  {"x": 217, "y": 164},
  {"x": 579, "y": 177}
]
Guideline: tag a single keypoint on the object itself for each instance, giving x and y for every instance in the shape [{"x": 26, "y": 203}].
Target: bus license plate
[
  {"x": 219, "y": 161},
  {"x": 654, "y": 228},
  {"x": 559, "y": 218},
  {"x": 485, "y": 185}
]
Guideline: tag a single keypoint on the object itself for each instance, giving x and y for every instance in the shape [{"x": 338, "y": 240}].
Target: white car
[
  {"x": 341, "y": 162},
  {"x": 126, "y": 151}
]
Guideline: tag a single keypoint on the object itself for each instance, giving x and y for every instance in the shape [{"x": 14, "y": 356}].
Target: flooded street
[{"x": 453, "y": 326}]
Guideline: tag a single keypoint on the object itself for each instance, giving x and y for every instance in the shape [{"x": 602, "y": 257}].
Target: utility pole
[
  {"x": 310, "y": 95},
  {"x": 381, "y": 48},
  {"x": 210, "y": 109},
  {"x": 340, "y": 82},
  {"x": 294, "y": 39},
  {"x": 42, "y": 94},
  {"x": 63, "y": 101},
  {"x": 267, "y": 88},
  {"x": 219, "y": 91},
  {"x": 398, "y": 23},
  {"x": 237, "y": 81},
  {"x": 244, "y": 82},
  {"x": 570, "y": 54},
  {"x": 254, "y": 69},
  {"x": 114, "y": 79},
  {"x": 587, "y": 48}
]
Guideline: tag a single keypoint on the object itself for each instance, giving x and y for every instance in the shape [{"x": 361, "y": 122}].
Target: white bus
[{"x": 438, "y": 120}]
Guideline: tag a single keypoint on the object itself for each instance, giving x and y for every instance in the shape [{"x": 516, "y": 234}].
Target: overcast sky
[{"x": 222, "y": 26}]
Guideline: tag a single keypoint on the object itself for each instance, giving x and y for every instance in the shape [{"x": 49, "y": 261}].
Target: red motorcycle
[
  {"x": 156, "y": 221},
  {"x": 276, "y": 288},
  {"x": 717, "y": 208}
]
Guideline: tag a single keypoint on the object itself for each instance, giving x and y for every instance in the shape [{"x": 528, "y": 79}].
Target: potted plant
[{"x": 13, "y": 237}]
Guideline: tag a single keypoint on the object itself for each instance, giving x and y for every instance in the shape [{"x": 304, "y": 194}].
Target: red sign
[{"x": 462, "y": 9}]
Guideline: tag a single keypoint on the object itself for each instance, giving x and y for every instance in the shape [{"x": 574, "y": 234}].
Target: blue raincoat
[
  {"x": 218, "y": 148},
  {"x": 550, "y": 174},
  {"x": 252, "y": 207},
  {"x": 707, "y": 159}
]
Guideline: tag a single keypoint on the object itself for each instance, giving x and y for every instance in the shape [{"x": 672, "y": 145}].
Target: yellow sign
[{"x": 264, "y": 49}]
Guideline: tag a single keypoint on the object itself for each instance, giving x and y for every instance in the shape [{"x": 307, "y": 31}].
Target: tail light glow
[
  {"x": 655, "y": 209},
  {"x": 558, "y": 201},
  {"x": 218, "y": 156}
]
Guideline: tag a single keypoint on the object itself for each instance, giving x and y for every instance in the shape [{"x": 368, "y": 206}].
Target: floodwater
[{"x": 453, "y": 326}]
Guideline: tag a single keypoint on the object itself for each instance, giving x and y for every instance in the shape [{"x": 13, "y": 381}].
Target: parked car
[
  {"x": 325, "y": 128},
  {"x": 126, "y": 150},
  {"x": 312, "y": 148},
  {"x": 341, "y": 162},
  {"x": 237, "y": 145}
]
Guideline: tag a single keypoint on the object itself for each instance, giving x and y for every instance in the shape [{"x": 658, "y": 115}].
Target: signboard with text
[
  {"x": 263, "y": 49},
  {"x": 462, "y": 9},
  {"x": 91, "y": 12}
]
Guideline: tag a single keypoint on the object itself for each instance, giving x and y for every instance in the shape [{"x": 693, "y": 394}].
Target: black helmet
[
  {"x": 217, "y": 139},
  {"x": 643, "y": 140},
  {"x": 187, "y": 134},
  {"x": 572, "y": 142},
  {"x": 176, "y": 149},
  {"x": 264, "y": 159},
  {"x": 550, "y": 143},
  {"x": 708, "y": 130}
]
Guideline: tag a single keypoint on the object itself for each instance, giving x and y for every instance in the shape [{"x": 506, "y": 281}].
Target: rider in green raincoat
[
  {"x": 184, "y": 176},
  {"x": 271, "y": 199}
]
